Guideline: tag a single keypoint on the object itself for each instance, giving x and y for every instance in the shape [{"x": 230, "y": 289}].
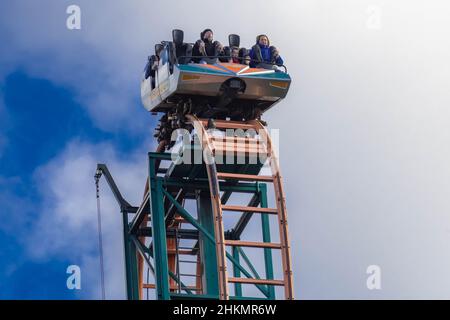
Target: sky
[{"x": 364, "y": 138}]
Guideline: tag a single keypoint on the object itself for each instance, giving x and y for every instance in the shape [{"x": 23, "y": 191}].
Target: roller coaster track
[{"x": 211, "y": 146}]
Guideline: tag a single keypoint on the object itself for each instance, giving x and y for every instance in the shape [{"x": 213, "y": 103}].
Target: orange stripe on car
[{"x": 255, "y": 70}]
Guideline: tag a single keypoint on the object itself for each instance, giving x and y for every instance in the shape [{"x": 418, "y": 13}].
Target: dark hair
[{"x": 202, "y": 34}]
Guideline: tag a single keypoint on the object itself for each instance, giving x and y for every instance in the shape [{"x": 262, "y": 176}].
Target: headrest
[
  {"x": 177, "y": 36},
  {"x": 234, "y": 40}
]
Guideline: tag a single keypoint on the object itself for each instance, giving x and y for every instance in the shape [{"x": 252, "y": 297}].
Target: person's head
[
  {"x": 158, "y": 48},
  {"x": 207, "y": 35},
  {"x": 234, "y": 52},
  {"x": 263, "y": 40}
]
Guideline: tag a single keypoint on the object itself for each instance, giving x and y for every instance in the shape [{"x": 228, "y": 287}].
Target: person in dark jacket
[
  {"x": 207, "y": 47},
  {"x": 263, "y": 55}
]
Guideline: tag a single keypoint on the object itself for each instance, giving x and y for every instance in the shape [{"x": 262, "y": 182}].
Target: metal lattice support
[{"x": 155, "y": 232}]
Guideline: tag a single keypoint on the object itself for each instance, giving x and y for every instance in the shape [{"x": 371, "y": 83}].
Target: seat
[
  {"x": 181, "y": 51},
  {"x": 234, "y": 41}
]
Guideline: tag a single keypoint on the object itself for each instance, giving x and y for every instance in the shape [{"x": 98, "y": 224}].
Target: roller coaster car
[{"x": 216, "y": 88}]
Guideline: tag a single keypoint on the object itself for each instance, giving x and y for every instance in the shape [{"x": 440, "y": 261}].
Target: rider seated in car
[
  {"x": 206, "y": 47},
  {"x": 153, "y": 63},
  {"x": 239, "y": 55},
  {"x": 263, "y": 55}
]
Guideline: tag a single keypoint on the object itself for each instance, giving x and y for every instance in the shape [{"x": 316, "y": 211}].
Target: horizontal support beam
[
  {"x": 243, "y": 177},
  {"x": 248, "y": 298},
  {"x": 189, "y": 184},
  {"x": 249, "y": 209},
  {"x": 182, "y": 233},
  {"x": 223, "y": 124},
  {"x": 183, "y": 296},
  {"x": 229, "y": 150},
  {"x": 236, "y": 139},
  {"x": 239, "y": 243},
  {"x": 182, "y": 252},
  {"x": 160, "y": 155},
  {"x": 257, "y": 281},
  {"x": 172, "y": 287},
  {"x": 131, "y": 209}
]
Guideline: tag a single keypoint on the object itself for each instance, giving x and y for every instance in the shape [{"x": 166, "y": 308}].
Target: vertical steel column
[
  {"x": 265, "y": 223},
  {"x": 208, "y": 253},
  {"x": 158, "y": 233},
  {"x": 130, "y": 261}
]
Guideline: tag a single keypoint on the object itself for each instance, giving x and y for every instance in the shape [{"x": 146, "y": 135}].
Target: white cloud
[
  {"x": 67, "y": 226},
  {"x": 364, "y": 135}
]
